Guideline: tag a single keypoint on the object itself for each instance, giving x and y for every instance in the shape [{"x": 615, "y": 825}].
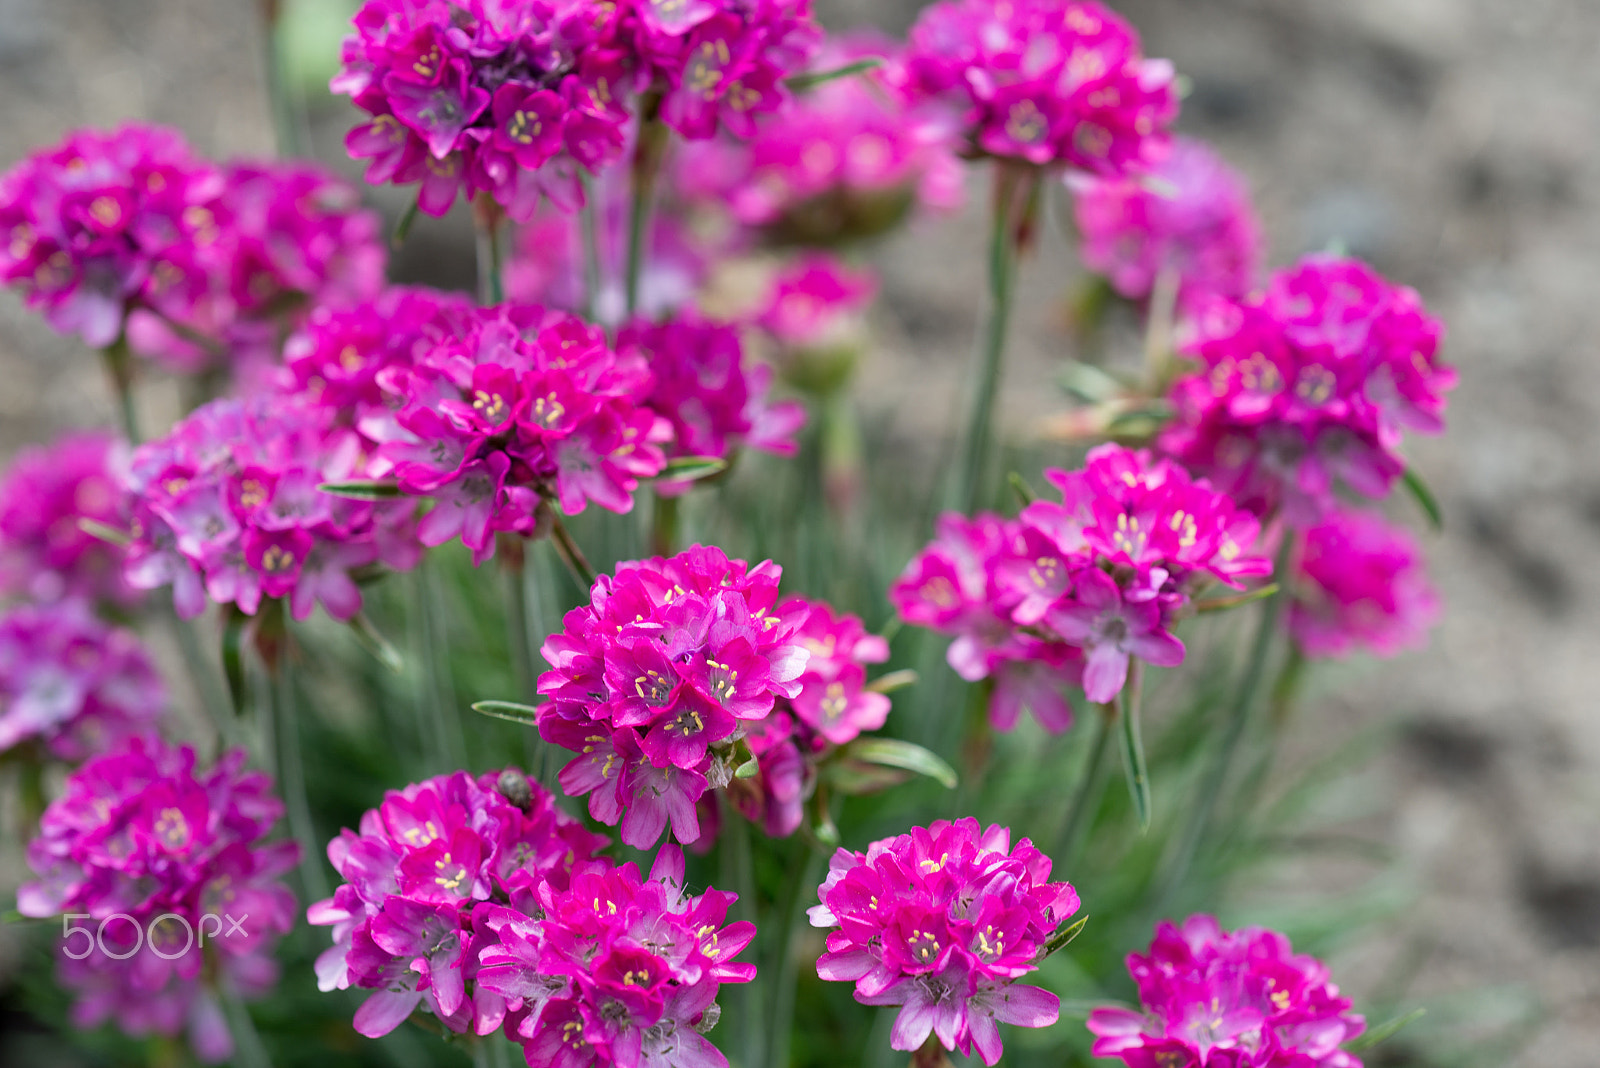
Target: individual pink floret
[{"x": 1359, "y": 582}]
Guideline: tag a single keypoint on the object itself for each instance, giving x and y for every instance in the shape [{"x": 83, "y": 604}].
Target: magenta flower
[
  {"x": 44, "y": 554},
  {"x": 1239, "y": 998},
  {"x": 1104, "y": 571},
  {"x": 1190, "y": 216},
  {"x": 486, "y": 98},
  {"x": 654, "y": 678},
  {"x": 1358, "y": 581},
  {"x": 428, "y": 866},
  {"x": 812, "y": 301},
  {"x": 85, "y": 226},
  {"x": 228, "y": 507},
  {"x": 72, "y": 683},
  {"x": 142, "y": 833},
  {"x": 612, "y": 969},
  {"x": 1308, "y": 386},
  {"x": 943, "y": 922},
  {"x": 846, "y": 159},
  {"x": 1043, "y": 81},
  {"x": 715, "y": 399}
]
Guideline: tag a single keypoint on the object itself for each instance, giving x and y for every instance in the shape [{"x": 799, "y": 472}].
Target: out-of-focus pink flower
[
  {"x": 1043, "y": 81},
  {"x": 228, "y": 507},
  {"x": 428, "y": 868},
  {"x": 616, "y": 970},
  {"x": 1237, "y": 998},
  {"x": 1359, "y": 582},
  {"x": 142, "y": 835},
  {"x": 1308, "y": 386},
  {"x": 714, "y": 397},
  {"x": 846, "y": 159},
  {"x": 74, "y": 684},
  {"x": 1191, "y": 216},
  {"x": 45, "y": 555},
  {"x": 810, "y": 300},
  {"x": 942, "y": 922},
  {"x": 1105, "y": 570}
]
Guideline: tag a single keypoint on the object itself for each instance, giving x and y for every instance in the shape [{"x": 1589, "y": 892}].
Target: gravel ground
[{"x": 1451, "y": 142}]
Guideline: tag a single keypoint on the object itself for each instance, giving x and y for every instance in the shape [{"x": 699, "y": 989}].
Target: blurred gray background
[{"x": 1454, "y": 143}]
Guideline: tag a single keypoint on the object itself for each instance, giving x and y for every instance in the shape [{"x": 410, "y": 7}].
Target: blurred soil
[{"x": 1454, "y": 144}]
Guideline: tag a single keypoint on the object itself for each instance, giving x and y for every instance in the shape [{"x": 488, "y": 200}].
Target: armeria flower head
[
  {"x": 425, "y": 865},
  {"x": 943, "y": 921},
  {"x": 1309, "y": 385},
  {"x": 1359, "y": 582},
  {"x": 719, "y": 64},
  {"x": 715, "y": 398},
  {"x": 141, "y": 833},
  {"x": 498, "y": 408},
  {"x": 617, "y": 969},
  {"x": 484, "y": 97},
  {"x": 844, "y": 160},
  {"x": 228, "y": 507},
  {"x": 1190, "y": 216},
  {"x": 651, "y": 681},
  {"x": 276, "y": 239},
  {"x": 45, "y": 554},
  {"x": 71, "y": 682},
  {"x": 1044, "y": 81},
  {"x": 812, "y": 300},
  {"x": 1240, "y": 998},
  {"x": 87, "y": 225},
  {"x": 1105, "y": 570}
]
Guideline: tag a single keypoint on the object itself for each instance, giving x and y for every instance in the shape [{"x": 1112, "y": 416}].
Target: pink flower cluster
[
  {"x": 1237, "y": 998},
  {"x": 427, "y": 868},
  {"x": 943, "y": 921},
  {"x": 130, "y": 230},
  {"x": 44, "y": 554},
  {"x": 617, "y": 970},
  {"x": 832, "y": 708},
  {"x": 1071, "y": 590},
  {"x": 715, "y": 399},
  {"x": 812, "y": 298},
  {"x": 506, "y": 100},
  {"x": 1191, "y": 216},
  {"x": 843, "y": 160},
  {"x": 651, "y": 681},
  {"x": 1308, "y": 385},
  {"x": 1358, "y": 581},
  {"x": 71, "y": 682},
  {"x": 519, "y": 404},
  {"x": 228, "y": 506},
  {"x": 142, "y": 835},
  {"x": 277, "y": 238},
  {"x": 1044, "y": 81}
]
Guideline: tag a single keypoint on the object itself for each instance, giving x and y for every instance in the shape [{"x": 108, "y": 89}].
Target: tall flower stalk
[{"x": 648, "y": 152}]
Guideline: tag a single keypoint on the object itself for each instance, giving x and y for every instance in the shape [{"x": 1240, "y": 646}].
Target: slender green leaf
[
  {"x": 527, "y": 715},
  {"x": 800, "y": 82},
  {"x": 692, "y": 468},
  {"x": 403, "y": 226},
  {"x": 1425, "y": 498},
  {"x": 1133, "y": 761},
  {"x": 1063, "y": 937},
  {"x": 1220, "y": 604},
  {"x": 375, "y": 643},
  {"x": 363, "y": 489},
  {"x": 894, "y": 680},
  {"x": 893, "y": 753},
  {"x": 1383, "y": 1031},
  {"x": 891, "y": 628},
  {"x": 1019, "y": 486},
  {"x": 104, "y": 531},
  {"x": 820, "y": 821},
  {"x": 233, "y": 659},
  {"x": 1089, "y": 383}
]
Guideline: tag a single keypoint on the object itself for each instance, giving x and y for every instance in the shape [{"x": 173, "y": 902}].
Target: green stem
[
  {"x": 1086, "y": 799},
  {"x": 512, "y": 556},
  {"x": 31, "y": 800},
  {"x": 930, "y": 1055},
  {"x": 209, "y": 687},
  {"x": 487, "y": 216},
  {"x": 292, "y": 777},
  {"x": 1013, "y": 184},
  {"x": 569, "y": 552},
  {"x": 591, "y": 255},
  {"x": 1127, "y": 706},
  {"x": 782, "y": 972},
  {"x": 119, "y": 368},
  {"x": 287, "y": 110},
  {"x": 438, "y": 697},
  {"x": 248, "y": 1051},
  {"x": 647, "y": 155},
  {"x": 1286, "y": 691},
  {"x": 736, "y": 873},
  {"x": 1216, "y": 775},
  {"x": 664, "y": 526}
]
